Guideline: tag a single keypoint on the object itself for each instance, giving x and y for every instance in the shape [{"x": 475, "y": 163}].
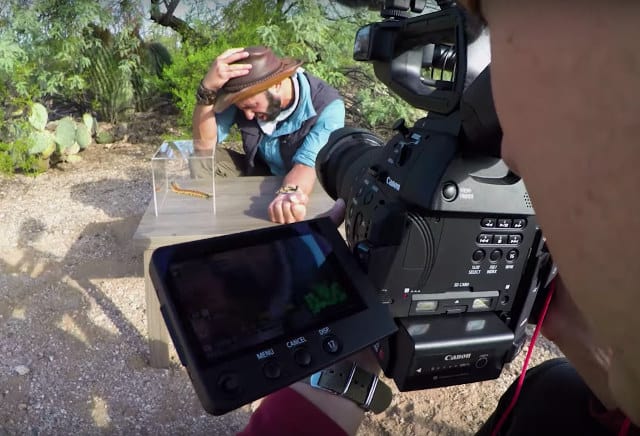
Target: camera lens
[{"x": 348, "y": 152}]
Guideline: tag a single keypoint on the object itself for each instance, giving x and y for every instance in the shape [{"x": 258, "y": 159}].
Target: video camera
[
  {"x": 438, "y": 229},
  {"x": 441, "y": 226}
]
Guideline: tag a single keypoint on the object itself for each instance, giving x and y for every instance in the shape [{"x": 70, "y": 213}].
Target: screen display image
[{"x": 243, "y": 297}]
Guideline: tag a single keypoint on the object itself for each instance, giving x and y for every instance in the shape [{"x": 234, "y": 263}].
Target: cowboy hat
[{"x": 267, "y": 70}]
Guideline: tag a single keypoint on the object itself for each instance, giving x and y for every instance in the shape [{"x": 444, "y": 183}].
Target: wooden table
[{"x": 241, "y": 204}]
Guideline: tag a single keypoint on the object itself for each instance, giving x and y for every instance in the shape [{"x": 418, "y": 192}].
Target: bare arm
[
  {"x": 204, "y": 124},
  {"x": 567, "y": 327},
  {"x": 567, "y": 91},
  {"x": 302, "y": 176},
  {"x": 204, "y": 118}
]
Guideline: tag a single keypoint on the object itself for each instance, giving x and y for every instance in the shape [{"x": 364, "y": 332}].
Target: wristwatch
[
  {"x": 205, "y": 96},
  {"x": 287, "y": 189},
  {"x": 346, "y": 379}
]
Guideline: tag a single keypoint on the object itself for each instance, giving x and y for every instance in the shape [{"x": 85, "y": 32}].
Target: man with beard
[{"x": 285, "y": 116}]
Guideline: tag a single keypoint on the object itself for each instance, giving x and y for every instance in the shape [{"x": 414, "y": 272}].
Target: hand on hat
[{"x": 225, "y": 68}]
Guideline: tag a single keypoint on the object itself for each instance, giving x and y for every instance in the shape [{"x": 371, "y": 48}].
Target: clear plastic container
[{"x": 183, "y": 172}]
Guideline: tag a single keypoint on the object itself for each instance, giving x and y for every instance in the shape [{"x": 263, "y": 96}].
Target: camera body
[
  {"x": 438, "y": 222},
  {"x": 455, "y": 255}
]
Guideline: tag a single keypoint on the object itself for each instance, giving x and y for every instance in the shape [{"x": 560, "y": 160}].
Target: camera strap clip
[{"x": 346, "y": 379}]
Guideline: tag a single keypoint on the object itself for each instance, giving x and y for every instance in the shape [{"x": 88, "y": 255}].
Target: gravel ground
[{"x": 74, "y": 357}]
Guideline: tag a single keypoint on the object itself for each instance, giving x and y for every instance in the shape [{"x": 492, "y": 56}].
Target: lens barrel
[{"x": 348, "y": 153}]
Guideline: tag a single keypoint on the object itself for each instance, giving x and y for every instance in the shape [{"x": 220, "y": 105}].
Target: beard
[{"x": 273, "y": 108}]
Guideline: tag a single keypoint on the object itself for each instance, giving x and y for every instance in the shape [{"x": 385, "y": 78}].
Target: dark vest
[{"x": 321, "y": 95}]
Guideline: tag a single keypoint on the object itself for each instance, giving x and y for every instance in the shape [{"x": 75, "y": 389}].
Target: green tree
[{"x": 67, "y": 50}]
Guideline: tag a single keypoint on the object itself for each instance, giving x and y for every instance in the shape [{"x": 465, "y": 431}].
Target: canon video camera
[{"x": 438, "y": 222}]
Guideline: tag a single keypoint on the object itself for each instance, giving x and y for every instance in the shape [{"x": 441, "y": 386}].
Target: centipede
[{"x": 191, "y": 192}]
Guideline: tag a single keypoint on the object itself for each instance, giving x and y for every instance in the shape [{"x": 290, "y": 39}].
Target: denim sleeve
[
  {"x": 224, "y": 120},
  {"x": 330, "y": 119}
]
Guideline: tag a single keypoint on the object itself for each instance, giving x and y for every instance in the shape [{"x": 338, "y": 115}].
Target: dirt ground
[{"x": 74, "y": 356}]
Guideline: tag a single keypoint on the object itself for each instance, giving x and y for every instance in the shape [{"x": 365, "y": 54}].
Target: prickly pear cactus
[
  {"x": 41, "y": 141},
  {"x": 90, "y": 122},
  {"x": 47, "y": 152},
  {"x": 39, "y": 116},
  {"x": 83, "y": 136},
  {"x": 65, "y": 134},
  {"x": 74, "y": 149},
  {"x": 104, "y": 137}
]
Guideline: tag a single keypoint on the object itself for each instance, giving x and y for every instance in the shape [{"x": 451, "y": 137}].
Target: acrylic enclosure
[{"x": 183, "y": 170}]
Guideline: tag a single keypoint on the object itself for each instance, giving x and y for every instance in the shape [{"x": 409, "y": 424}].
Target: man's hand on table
[
  {"x": 290, "y": 204},
  {"x": 288, "y": 207}
]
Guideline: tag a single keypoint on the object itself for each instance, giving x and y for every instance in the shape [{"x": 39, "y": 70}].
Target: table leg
[{"x": 157, "y": 330}]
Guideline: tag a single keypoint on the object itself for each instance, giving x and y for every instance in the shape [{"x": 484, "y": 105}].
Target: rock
[{"x": 21, "y": 370}]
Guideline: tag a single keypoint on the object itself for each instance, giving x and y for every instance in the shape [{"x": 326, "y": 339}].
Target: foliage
[
  {"x": 50, "y": 46},
  {"x": 235, "y": 28},
  {"x": 34, "y": 147},
  {"x": 83, "y": 52},
  {"x": 112, "y": 89},
  {"x": 46, "y": 53},
  {"x": 104, "y": 58},
  {"x": 304, "y": 30}
]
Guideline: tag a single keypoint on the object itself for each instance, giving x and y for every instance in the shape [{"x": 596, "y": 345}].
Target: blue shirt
[{"x": 330, "y": 119}]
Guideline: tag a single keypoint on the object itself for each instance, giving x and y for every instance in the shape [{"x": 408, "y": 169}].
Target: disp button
[{"x": 331, "y": 345}]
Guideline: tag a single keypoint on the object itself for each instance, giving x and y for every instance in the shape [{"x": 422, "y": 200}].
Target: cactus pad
[
  {"x": 38, "y": 117},
  {"x": 90, "y": 122},
  {"x": 65, "y": 134},
  {"x": 83, "y": 136},
  {"x": 41, "y": 141}
]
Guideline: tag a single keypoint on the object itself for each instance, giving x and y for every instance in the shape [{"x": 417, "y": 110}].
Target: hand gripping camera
[{"x": 440, "y": 225}]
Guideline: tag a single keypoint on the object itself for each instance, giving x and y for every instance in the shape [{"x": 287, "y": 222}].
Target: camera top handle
[{"x": 398, "y": 48}]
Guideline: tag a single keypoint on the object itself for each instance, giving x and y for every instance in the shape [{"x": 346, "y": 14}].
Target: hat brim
[{"x": 226, "y": 99}]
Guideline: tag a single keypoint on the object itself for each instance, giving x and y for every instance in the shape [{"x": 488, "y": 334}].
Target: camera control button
[
  {"x": 519, "y": 223},
  {"x": 515, "y": 239},
  {"x": 512, "y": 255},
  {"x": 500, "y": 239},
  {"x": 229, "y": 382},
  {"x": 331, "y": 345},
  {"x": 504, "y": 223},
  {"x": 489, "y": 223},
  {"x": 495, "y": 255},
  {"x": 478, "y": 255},
  {"x": 271, "y": 369},
  {"x": 449, "y": 191},
  {"x": 302, "y": 357},
  {"x": 484, "y": 238}
]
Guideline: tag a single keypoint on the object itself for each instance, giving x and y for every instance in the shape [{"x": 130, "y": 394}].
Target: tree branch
[{"x": 167, "y": 19}]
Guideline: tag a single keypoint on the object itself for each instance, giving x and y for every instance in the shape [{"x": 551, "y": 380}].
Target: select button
[
  {"x": 478, "y": 255},
  {"x": 331, "y": 345}
]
